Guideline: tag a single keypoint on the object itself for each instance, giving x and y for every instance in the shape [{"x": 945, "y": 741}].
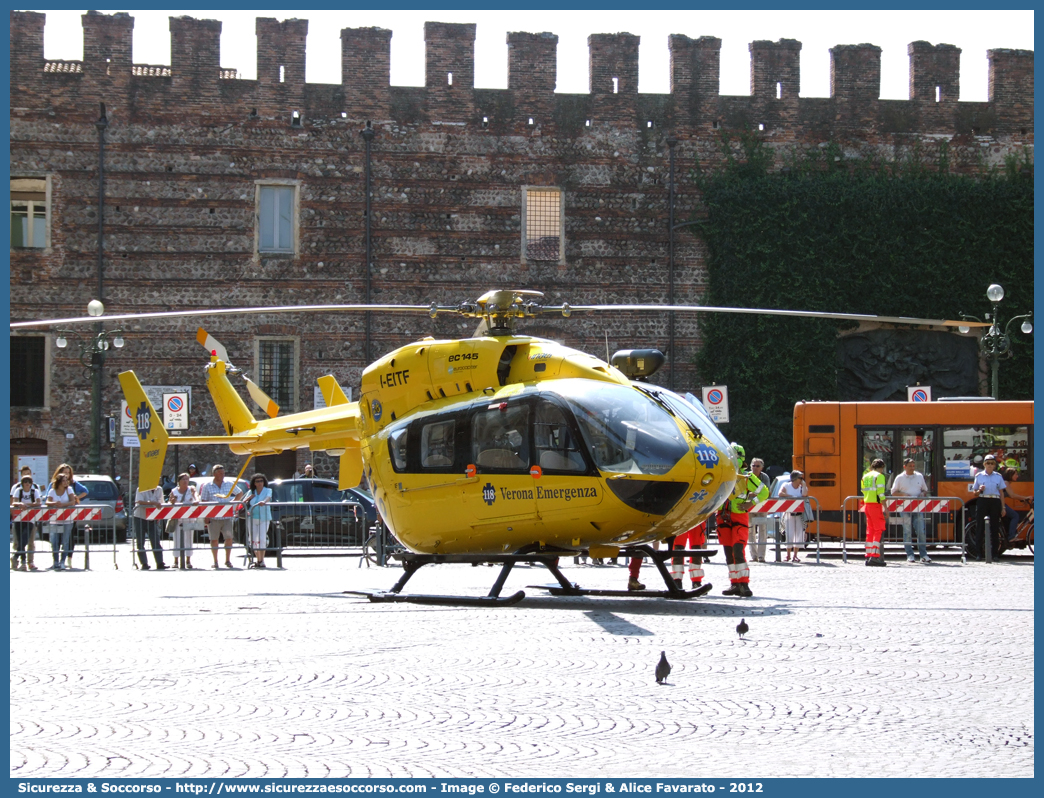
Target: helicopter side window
[
  {"x": 397, "y": 445},
  {"x": 556, "y": 445},
  {"x": 437, "y": 444},
  {"x": 500, "y": 438}
]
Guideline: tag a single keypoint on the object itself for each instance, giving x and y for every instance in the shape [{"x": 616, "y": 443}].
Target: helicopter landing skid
[
  {"x": 412, "y": 563},
  {"x": 567, "y": 588}
]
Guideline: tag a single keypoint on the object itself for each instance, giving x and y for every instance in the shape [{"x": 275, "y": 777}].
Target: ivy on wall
[{"x": 895, "y": 239}]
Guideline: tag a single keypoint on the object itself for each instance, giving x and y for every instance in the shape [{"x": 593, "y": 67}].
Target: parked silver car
[{"x": 103, "y": 489}]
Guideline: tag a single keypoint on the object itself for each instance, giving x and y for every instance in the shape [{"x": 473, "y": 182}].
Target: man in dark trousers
[{"x": 989, "y": 486}]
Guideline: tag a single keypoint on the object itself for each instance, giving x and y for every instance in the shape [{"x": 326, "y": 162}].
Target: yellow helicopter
[{"x": 500, "y": 448}]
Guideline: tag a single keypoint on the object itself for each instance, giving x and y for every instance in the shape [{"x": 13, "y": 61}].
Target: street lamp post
[
  {"x": 995, "y": 344},
  {"x": 92, "y": 357}
]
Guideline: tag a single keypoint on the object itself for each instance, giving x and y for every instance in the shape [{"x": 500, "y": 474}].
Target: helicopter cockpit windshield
[
  {"x": 692, "y": 412},
  {"x": 625, "y": 431}
]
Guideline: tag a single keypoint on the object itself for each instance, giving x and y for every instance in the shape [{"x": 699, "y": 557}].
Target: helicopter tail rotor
[
  {"x": 212, "y": 344},
  {"x": 262, "y": 399}
]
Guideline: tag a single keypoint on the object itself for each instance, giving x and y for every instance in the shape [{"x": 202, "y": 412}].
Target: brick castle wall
[{"x": 186, "y": 142}]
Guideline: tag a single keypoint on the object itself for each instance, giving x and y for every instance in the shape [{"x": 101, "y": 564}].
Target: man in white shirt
[
  {"x": 910, "y": 484},
  {"x": 144, "y": 500},
  {"x": 220, "y": 491}
]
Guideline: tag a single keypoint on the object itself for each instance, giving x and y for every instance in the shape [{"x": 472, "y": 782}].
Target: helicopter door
[
  {"x": 500, "y": 452},
  {"x": 567, "y": 481}
]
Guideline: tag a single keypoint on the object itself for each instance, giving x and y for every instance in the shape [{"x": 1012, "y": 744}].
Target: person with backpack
[
  {"x": 26, "y": 471},
  {"x": 26, "y": 496}
]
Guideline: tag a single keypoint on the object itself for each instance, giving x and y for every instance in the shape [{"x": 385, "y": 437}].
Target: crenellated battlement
[{"x": 196, "y": 83}]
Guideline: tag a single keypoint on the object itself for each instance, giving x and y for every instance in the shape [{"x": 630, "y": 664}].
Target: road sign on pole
[
  {"x": 175, "y": 410},
  {"x": 126, "y": 420},
  {"x": 716, "y": 401}
]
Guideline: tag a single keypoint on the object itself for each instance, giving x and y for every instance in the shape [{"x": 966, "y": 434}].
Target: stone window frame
[
  {"x": 295, "y": 226},
  {"x": 561, "y": 260},
  {"x": 296, "y": 361},
  {"x": 47, "y": 209},
  {"x": 47, "y": 338}
]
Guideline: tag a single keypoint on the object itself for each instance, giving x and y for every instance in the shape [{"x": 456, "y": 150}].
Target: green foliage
[{"x": 895, "y": 239}]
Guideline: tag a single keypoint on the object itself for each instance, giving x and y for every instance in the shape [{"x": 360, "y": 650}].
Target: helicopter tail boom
[{"x": 235, "y": 417}]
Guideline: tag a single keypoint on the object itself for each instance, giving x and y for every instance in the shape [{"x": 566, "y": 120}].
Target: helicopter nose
[{"x": 712, "y": 469}]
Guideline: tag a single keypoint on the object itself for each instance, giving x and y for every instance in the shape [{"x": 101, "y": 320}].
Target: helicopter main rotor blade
[
  {"x": 175, "y": 314},
  {"x": 801, "y": 314},
  {"x": 473, "y": 311}
]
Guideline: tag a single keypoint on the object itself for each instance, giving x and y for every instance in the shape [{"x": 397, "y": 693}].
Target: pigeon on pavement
[
  {"x": 663, "y": 669},
  {"x": 742, "y": 628}
]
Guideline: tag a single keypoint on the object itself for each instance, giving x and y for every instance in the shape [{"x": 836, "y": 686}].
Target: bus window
[
  {"x": 877, "y": 443},
  {"x": 964, "y": 448},
  {"x": 917, "y": 444},
  {"x": 958, "y": 452}
]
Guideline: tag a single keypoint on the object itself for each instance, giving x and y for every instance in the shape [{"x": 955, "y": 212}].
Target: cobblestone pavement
[{"x": 910, "y": 670}]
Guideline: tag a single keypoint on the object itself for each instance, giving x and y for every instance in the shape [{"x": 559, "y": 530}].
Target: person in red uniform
[
  {"x": 873, "y": 488},
  {"x": 734, "y": 530},
  {"x": 695, "y": 538}
]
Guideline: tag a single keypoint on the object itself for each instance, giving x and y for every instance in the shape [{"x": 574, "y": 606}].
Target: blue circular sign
[
  {"x": 715, "y": 397},
  {"x": 174, "y": 404},
  {"x": 920, "y": 395}
]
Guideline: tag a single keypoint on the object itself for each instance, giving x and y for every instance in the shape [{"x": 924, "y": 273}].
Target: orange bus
[{"x": 835, "y": 442}]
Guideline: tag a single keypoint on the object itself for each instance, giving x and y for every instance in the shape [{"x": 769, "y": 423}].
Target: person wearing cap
[
  {"x": 192, "y": 470},
  {"x": 220, "y": 491},
  {"x": 910, "y": 484},
  {"x": 759, "y": 523},
  {"x": 989, "y": 487},
  {"x": 794, "y": 523},
  {"x": 873, "y": 488}
]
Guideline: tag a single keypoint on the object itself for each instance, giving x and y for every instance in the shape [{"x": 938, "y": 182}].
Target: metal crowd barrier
[
  {"x": 787, "y": 505},
  {"x": 303, "y": 528},
  {"x": 181, "y": 512},
  {"x": 96, "y": 522},
  {"x": 929, "y": 505}
]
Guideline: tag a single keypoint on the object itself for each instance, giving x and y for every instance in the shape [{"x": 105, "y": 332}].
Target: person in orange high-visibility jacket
[
  {"x": 873, "y": 488},
  {"x": 733, "y": 531}
]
